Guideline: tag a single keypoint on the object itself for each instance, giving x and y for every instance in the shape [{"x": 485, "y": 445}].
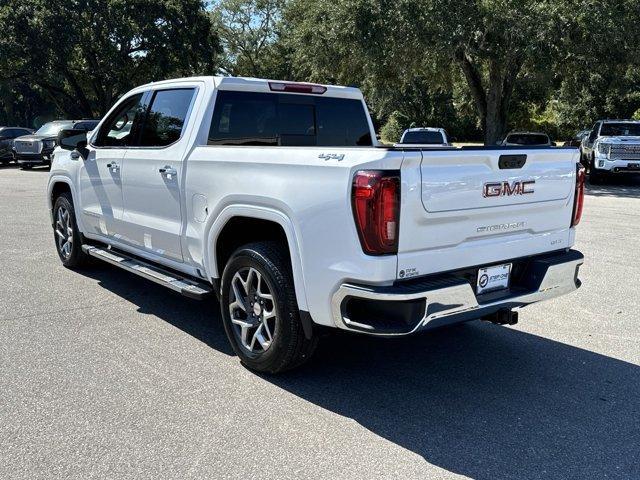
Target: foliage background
[{"x": 475, "y": 67}]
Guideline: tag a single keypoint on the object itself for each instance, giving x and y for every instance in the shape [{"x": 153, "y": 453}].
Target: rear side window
[
  {"x": 423, "y": 137},
  {"x": 118, "y": 128},
  {"x": 166, "y": 117},
  {"x": 246, "y": 118}
]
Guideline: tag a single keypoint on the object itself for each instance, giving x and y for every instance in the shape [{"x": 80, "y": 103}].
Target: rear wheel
[
  {"x": 66, "y": 234},
  {"x": 259, "y": 309}
]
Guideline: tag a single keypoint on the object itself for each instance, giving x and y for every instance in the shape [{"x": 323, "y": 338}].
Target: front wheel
[
  {"x": 66, "y": 233},
  {"x": 259, "y": 310},
  {"x": 595, "y": 177}
]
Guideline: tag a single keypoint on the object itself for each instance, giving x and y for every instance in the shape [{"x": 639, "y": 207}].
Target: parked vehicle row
[
  {"x": 431, "y": 137},
  {"x": 611, "y": 147},
  {"x": 277, "y": 197},
  {"x": 37, "y": 148}
]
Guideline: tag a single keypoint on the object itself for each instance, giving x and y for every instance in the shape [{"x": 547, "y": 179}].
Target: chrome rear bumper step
[
  {"x": 447, "y": 299},
  {"x": 187, "y": 287}
]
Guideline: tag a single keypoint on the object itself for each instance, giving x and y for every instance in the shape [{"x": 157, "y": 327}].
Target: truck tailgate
[{"x": 464, "y": 208}]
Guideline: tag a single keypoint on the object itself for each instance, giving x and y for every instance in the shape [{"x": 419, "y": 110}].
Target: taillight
[
  {"x": 376, "y": 208},
  {"x": 578, "y": 201}
]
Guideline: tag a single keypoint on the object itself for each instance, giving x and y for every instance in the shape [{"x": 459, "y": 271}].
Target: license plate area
[{"x": 493, "y": 278}]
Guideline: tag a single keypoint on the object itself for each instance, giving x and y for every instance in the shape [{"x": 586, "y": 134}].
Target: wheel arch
[
  {"x": 215, "y": 254},
  {"x": 59, "y": 184}
]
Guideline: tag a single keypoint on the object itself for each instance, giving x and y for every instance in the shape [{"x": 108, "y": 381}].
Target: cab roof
[{"x": 248, "y": 84}]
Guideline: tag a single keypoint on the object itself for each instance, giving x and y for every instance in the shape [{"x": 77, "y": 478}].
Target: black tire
[
  {"x": 75, "y": 257},
  {"x": 595, "y": 177},
  {"x": 289, "y": 346}
]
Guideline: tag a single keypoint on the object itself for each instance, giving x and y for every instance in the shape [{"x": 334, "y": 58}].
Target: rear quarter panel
[{"x": 308, "y": 195}]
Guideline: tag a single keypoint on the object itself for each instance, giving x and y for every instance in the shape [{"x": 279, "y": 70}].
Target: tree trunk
[
  {"x": 496, "y": 115},
  {"x": 495, "y": 122},
  {"x": 492, "y": 100}
]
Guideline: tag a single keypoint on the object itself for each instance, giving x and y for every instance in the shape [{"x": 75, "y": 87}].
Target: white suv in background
[{"x": 612, "y": 147}]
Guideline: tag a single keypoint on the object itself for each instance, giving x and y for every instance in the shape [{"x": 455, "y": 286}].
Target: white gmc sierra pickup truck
[{"x": 277, "y": 197}]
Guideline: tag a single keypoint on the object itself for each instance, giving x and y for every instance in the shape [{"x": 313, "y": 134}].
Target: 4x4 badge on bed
[{"x": 332, "y": 156}]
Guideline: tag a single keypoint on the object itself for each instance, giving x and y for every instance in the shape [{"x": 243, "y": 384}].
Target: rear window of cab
[{"x": 281, "y": 119}]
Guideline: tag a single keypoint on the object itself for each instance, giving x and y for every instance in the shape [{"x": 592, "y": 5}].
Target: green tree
[
  {"x": 83, "y": 54},
  {"x": 250, "y": 35},
  {"x": 462, "y": 52},
  {"x": 600, "y": 73}
]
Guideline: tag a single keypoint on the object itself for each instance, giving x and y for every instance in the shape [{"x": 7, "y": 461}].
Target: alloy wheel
[
  {"x": 252, "y": 310},
  {"x": 64, "y": 232}
]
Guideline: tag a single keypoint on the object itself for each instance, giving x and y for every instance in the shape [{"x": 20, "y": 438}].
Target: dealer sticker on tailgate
[{"x": 493, "y": 278}]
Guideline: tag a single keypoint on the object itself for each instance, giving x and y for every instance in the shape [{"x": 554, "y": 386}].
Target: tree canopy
[
  {"x": 476, "y": 67},
  {"x": 80, "y": 55}
]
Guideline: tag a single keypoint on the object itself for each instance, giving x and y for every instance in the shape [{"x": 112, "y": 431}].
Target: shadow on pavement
[
  {"x": 486, "y": 402},
  {"x": 200, "y": 319},
  {"x": 628, "y": 186},
  {"x": 479, "y": 400}
]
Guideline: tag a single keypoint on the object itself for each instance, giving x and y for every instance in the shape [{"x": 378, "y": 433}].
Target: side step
[{"x": 187, "y": 287}]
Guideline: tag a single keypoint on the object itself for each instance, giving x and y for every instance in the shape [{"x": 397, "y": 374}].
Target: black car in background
[
  {"x": 527, "y": 139},
  {"x": 7, "y": 136},
  {"x": 36, "y": 149},
  {"x": 576, "y": 141}
]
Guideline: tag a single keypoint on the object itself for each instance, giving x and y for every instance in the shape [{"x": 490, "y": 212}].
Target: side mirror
[{"x": 71, "y": 140}]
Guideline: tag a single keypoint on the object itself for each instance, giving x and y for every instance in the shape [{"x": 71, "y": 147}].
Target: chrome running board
[{"x": 187, "y": 287}]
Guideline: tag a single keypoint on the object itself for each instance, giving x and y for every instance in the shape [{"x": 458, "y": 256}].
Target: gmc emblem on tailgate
[{"x": 507, "y": 189}]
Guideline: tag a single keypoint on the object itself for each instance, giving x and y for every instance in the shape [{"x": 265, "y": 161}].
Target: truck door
[
  {"x": 100, "y": 176},
  {"x": 152, "y": 177}
]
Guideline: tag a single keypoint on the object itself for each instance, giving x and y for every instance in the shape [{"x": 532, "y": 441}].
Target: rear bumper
[{"x": 445, "y": 299}]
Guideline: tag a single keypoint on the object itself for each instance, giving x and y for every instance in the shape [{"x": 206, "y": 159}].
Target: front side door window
[{"x": 118, "y": 130}]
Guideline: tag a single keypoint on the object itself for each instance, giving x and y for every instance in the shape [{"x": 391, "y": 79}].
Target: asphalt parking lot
[{"x": 104, "y": 375}]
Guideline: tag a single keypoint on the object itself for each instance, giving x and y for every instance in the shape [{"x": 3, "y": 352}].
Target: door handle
[
  {"x": 114, "y": 167},
  {"x": 167, "y": 170}
]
